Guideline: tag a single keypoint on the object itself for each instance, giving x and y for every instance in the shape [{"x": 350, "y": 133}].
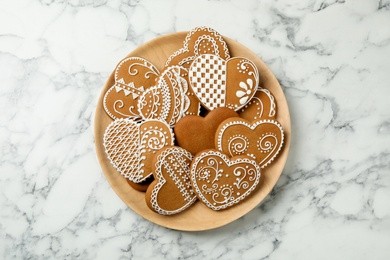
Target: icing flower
[{"x": 244, "y": 94}]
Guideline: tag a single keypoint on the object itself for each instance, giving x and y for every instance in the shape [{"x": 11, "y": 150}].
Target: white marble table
[{"x": 332, "y": 60}]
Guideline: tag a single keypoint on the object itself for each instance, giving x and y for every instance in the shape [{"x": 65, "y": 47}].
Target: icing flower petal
[
  {"x": 240, "y": 93},
  {"x": 243, "y": 85},
  {"x": 250, "y": 82},
  {"x": 243, "y": 100}
]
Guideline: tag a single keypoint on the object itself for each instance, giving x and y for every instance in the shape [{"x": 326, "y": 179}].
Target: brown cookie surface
[
  {"x": 196, "y": 133},
  {"x": 171, "y": 191},
  {"x": 261, "y": 139},
  {"x": 221, "y": 182}
]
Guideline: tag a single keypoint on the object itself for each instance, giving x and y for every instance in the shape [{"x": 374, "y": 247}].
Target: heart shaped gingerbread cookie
[
  {"x": 199, "y": 40},
  {"x": 196, "y": 133},
  {"x": 170, "y": 99},
  {"x": 171, "y": 191},
  {"x": 262, "y": 105},
  {"x": 132, "y": 77},
  {"x": 221, "y": 182},
  {"x": 130, "y": 146},
  {"x": 261, "y": 139},
  {"x": 223, "y": 83}
]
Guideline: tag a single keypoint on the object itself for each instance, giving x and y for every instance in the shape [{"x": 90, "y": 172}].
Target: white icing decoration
[
  {"x": 272, "y": 110},
  {"x": 246, "y": 91},
  {"x": 128, "y": 88},
  {"x": 238, "y": 144},
  {"x": 119, "y": 103},
  {"x": 266, "y": 146},
  {"x": 209, "y": 38},
  {"x": 152, "y": 100},
  {"x": 145, "y": 63},
  {"x": 242, "y": 172}
]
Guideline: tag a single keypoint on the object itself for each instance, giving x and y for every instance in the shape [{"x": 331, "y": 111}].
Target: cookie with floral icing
[
  {"x": 261, "y": 139},
  {"x": 221, "y": 182},
  {"x": 196, "y": 133},
  {"x": 170, "y": 99},
  {"x": 130, "y": 146},
  {"x": 200, "y": 40},
  {"x": 132, "y": 77},
  {"x": 171, "y": 191},
  {"x": 262, "y": 105},
  {"x": 223, "y": 83}
]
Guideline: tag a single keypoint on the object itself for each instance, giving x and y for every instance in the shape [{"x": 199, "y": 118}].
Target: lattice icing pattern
[{"x": 130, "y": 146}]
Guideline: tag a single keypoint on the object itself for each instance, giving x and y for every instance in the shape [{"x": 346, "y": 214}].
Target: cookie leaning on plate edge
[{"x": 198, "y": 217}]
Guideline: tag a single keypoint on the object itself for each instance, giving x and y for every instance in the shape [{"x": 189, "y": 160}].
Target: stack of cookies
[{"x": 202, "y": 129}]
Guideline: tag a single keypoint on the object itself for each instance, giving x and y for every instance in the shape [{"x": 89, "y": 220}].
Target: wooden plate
[{"x": 197, "y": 217}]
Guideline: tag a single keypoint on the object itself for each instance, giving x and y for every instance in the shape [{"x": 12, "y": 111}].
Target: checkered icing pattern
[{"x": 208, "y": 80}]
